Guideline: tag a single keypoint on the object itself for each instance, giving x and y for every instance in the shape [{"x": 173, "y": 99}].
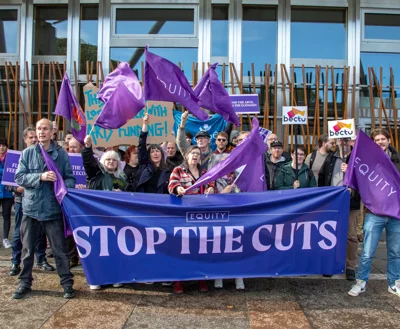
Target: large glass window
[
  {"x": 382, "y": 26},
  {"x": 259, "y": 38},
  {"x": 50, "y": 27},
  {"x": 154, "y": 21},
  {"x": 88, "y": 35},
  {"x": 9, "y": 30},
  {"x": 318, "y": 33},
  {"x": 376, "y": 61},
  {"x": 135, "y": 56},
  {"x": 220, "y": 30}
]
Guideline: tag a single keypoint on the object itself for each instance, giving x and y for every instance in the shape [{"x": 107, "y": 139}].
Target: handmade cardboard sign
[{"x": 160, "y": 127}]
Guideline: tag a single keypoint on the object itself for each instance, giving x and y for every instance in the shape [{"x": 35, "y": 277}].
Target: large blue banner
[
  {"x": 137, "y": 237},
  {"x": 193, "y": 125}
]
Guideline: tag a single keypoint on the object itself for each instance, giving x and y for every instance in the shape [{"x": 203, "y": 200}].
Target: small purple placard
[
  {"x": 10, "y": 167},
  {"x": 245, "y": 103}
]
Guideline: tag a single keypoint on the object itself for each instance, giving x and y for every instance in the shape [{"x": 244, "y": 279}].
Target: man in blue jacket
[{"x": 40, "y": 207}]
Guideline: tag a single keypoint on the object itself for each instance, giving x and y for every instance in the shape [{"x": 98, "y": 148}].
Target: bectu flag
[
  {"x": 246, "y": 152},
  {"x": 164, "y": 81},
  {"x": 371, "y": 172},
  {"x": 214, "y": 97},
  {"x": 68, "y": 107},
  {"x": 122, "y": 96}
]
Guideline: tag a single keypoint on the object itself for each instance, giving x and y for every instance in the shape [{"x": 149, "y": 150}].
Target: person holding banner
[
  {"x": 153, "y": 175},
  {"x": 374, "y": 225},
  {"x": 291, "y": 177},
  {"x": 105, "y": 175},
  {"x": 41, "y": 208},
  {"x": 6, "y": 197},
  {"x": 183, "y": 177}
]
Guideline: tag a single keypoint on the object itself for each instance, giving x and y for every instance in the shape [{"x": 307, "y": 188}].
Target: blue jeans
[
  {"x": 373, "y": 227},
  {"x": 16, "y": 240}
]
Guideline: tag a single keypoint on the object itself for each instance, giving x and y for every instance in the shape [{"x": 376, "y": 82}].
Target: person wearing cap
[
  {"x": 202, "y": 140},
  {"x": 273, "y": 162},
  {"x": 272, "y": 137}
]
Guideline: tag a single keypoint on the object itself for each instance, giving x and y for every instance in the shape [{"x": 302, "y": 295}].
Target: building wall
[{"x": 331, "y": 55}]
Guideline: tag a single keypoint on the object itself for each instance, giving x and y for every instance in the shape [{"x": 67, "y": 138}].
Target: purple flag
[
  {"x": 122, "y": 95},
  {"x": 68, "y": 107},
  {"x": 214, "y": 97},
  {"x": 245, "y": 153},
  {"x": 252, "y": 177},
  {"x": 60, "y": 189},
  {"x": 375, "y": 177},
  {"x": 164, "y": 81}
]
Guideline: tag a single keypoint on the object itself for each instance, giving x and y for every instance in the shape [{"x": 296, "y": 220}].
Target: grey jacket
[{"x": 39, "y": 201}]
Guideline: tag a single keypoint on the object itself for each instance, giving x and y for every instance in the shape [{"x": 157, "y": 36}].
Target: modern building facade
[{"x": 340, "y": 55}]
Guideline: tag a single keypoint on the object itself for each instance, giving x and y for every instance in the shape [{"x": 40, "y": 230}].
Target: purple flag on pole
[
  {"x": 214, "y": 97},
  {"x": 122, "y": 96},
  {"x": 68, "y": 107},
  {"x": 60, "y": 189},
  {"x": 375, "y": 177},
  {"x": 252, "y": 177},
  {"x": 245, "y": 153},
  {"x": 164, "y": 81}
]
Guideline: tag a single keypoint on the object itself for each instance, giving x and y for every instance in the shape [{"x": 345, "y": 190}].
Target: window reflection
[
  {"x": 135, "y": 56},
  {"x": 88, "y": 35},
  {"x": 219, "y": 30},
  {"x": 9, "y": 30},
  {"x": 50, "y": 27},
  {"x": 382, "y": 26},
  {"x": 318, "y": 33},
  {"x": 259, "y": 38},
  {"x": 154, "y": 21}
]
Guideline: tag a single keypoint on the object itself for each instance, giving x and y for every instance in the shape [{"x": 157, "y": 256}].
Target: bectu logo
[
  {"x": 295, "y": 115},
  {"x": 342, "y": 129}
]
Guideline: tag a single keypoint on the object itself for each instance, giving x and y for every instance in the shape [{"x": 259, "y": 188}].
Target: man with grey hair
[{"x": 41, "y": 209}]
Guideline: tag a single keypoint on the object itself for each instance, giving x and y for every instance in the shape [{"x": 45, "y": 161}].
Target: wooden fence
[{"x": 325, "y": 90}]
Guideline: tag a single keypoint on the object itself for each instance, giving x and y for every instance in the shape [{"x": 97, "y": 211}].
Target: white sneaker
[
  {"x": 218, "y": 283},
  {"x": 239, "y": 284},
  {"x": 166, "y": 284},
  {"x": 6, "y": 244},
  {"x": 358, "y": 288},
  {"x": 94, "y": 287},
  {"x": 117, "y": 285},
  {"x": 395, "y": 289}
]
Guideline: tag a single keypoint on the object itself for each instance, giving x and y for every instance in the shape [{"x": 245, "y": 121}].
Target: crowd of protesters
[{"x": 170, "y": 168}]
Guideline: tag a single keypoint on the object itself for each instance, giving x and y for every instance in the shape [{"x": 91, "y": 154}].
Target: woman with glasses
[
  {"x": 105, "y": 175},
  {"x": 182, "y": 178},
  {"x": 292, "y": 177}
]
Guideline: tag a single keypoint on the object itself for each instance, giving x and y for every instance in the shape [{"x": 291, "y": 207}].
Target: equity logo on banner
[
  {"x": 341, "y": 128},
  {"x": 294, "y": 115}
]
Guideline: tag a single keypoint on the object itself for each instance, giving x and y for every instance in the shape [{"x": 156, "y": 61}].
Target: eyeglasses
[
  {"x": 300, "y": 154},
  {"x": 221, "y": 139},
  {"x": 195, "y": 153},
  {"x": 272, "y": 139}
]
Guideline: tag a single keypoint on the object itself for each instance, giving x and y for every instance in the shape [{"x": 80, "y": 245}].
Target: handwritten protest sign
[{"x": 160, "y": 127}]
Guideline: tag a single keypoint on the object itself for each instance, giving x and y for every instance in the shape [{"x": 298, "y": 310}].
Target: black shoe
[
  {"x": 350, "y": 275},
  {"x": 21, "y": 292},
  {"x": 69, "y": 292},
  {"x": 45, "y": 266},
  {"x": 327, "y": 275},
  {"x": 14, "y": 270}
]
